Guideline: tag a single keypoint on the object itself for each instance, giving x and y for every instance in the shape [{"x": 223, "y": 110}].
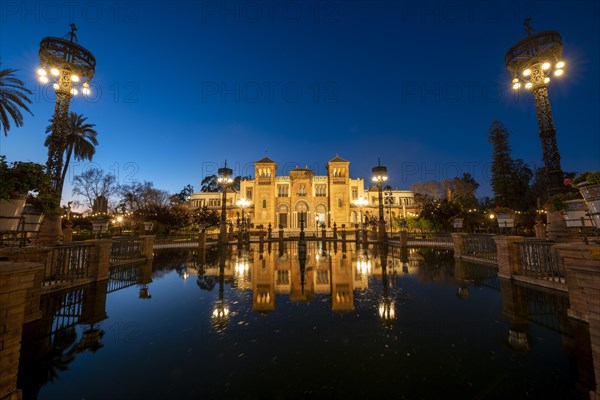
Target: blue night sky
[{"x": 182, "y": 86}]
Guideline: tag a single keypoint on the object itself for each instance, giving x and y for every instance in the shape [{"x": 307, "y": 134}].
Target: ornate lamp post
[
  {"x": 69, "y": 67},
  {"x": 361, "y": 202},
  {"x": 243, "y": 203},
  {"x": 380, "y": 176},
  {"x": 224, "y": 180},
  {"x": 532, "y": 62}
]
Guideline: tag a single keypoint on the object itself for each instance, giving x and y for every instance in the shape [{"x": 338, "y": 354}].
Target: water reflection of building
[{"x": 326, "y": 271}]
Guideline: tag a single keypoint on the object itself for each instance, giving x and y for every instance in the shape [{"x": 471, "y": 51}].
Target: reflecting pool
[{"x": 275, "y": 322}]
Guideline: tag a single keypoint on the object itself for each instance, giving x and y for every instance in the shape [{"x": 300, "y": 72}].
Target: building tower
[
  {"x": 264, "y": 191},
  {"x": 338, "y": 172}
]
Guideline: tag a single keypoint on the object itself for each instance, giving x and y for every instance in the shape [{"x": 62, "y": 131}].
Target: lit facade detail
[{"x": 318, "y": 200}]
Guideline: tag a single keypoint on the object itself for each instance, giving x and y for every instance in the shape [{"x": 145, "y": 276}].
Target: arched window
[
  {"x": 340, "y": 202},
  {"x": 264, "y": 203}
]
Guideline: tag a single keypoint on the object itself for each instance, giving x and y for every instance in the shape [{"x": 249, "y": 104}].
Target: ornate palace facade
[{"x": 316, "y": 200}]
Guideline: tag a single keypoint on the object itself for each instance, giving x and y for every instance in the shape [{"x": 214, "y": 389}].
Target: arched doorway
[
  {"x": 301, "y": 214},
  {"x": 282, "y": 215}
]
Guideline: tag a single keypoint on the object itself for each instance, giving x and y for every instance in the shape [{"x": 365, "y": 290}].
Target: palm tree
[
  {"x": 77, "y": 139},
  {"x": 13, "y": 96}
]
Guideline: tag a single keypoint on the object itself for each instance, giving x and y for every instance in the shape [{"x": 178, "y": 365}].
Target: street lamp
[
  {"x": 361, "y": 202},
  {"x": 380, "y": 176},
  {"x": 69, "y": 67},
  {"x": 224, "y": 180},
  {"x": 532, "y": 62},
  {"x": 243, "y": 203}
]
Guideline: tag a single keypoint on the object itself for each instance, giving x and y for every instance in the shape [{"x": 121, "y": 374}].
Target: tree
[
  {"x": 522, "y": 174},
  {"x": 203, "y": 217},
  {"x": 13, "y": 99},
  {"x": 238, "y": 181},
  {"x": 461, "y": 190},
  {"x": 93, "y": 184},
  {"x": 185, "y": 193},
  {"x": 432, "y": 189},
  {"x": 78, "y": 139},
  {"x": 510, "y": 178},
  {"x": 439, "y": 212},
  {"x": 209, "y": 184}
]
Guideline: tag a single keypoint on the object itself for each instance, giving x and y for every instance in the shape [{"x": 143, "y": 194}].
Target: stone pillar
[
  {"x": 50, "y": 231},
  {"x": 68, "y": 233},
  {"x": 458, "y": 238},
  {"x": 582, "y": 264},
  {"x": 403, "y": 238},
  {"x": 39, "y": 255},
  {"x": 557, "y": 227},
  {"x": 508, "y": 257},
  {"x": 148, "y": 246},
  {"x": 100, "y": 258},
  {"x": 15, "y": 281},
  {"x": 540, "y": 229}
]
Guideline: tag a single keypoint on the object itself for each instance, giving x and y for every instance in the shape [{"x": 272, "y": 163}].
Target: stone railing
[
  {"x": 67, "y": 263},
  {"x": 131, "y": 249},
  {"x": 539, "y": 259},
  {"x": 476, "y": 247}
]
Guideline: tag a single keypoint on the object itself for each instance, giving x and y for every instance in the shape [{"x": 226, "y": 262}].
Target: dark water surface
[{"x": 250, "y": 324}]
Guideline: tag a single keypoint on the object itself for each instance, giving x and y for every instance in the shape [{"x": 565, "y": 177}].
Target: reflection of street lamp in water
[{"x": 220, "y": 313}]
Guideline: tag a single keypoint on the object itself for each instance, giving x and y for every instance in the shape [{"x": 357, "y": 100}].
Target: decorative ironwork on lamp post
[
  {"x": 531, "y": 62},
  {"x": 224, "y": 180},
  {"x": 70, "y": 68},
  {"x": 380, "y": 176}
]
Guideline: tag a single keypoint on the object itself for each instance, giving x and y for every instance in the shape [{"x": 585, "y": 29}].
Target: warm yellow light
[
  {"x": 43, "y": 79},
  {"x": 529, "y": 85},
  {"x": 516, "y": 86},
  {"x": 545, "y": 66},
  {"x": 546, "y": 80},
  {"x": 492, "y": 216},
  {"x": 558, "y": 72},
  {"x": 527, "y": 72},
  {"x": 54, "y": 72},
  {"x": 74, "y": 92},
  {"x": 74, "y": 78},
  {"x": 42, "y": 72},
  {"x": 55, "y": 86},
  {"x": 560, "y": 64},
  {"x": 85, "y": 91}
]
